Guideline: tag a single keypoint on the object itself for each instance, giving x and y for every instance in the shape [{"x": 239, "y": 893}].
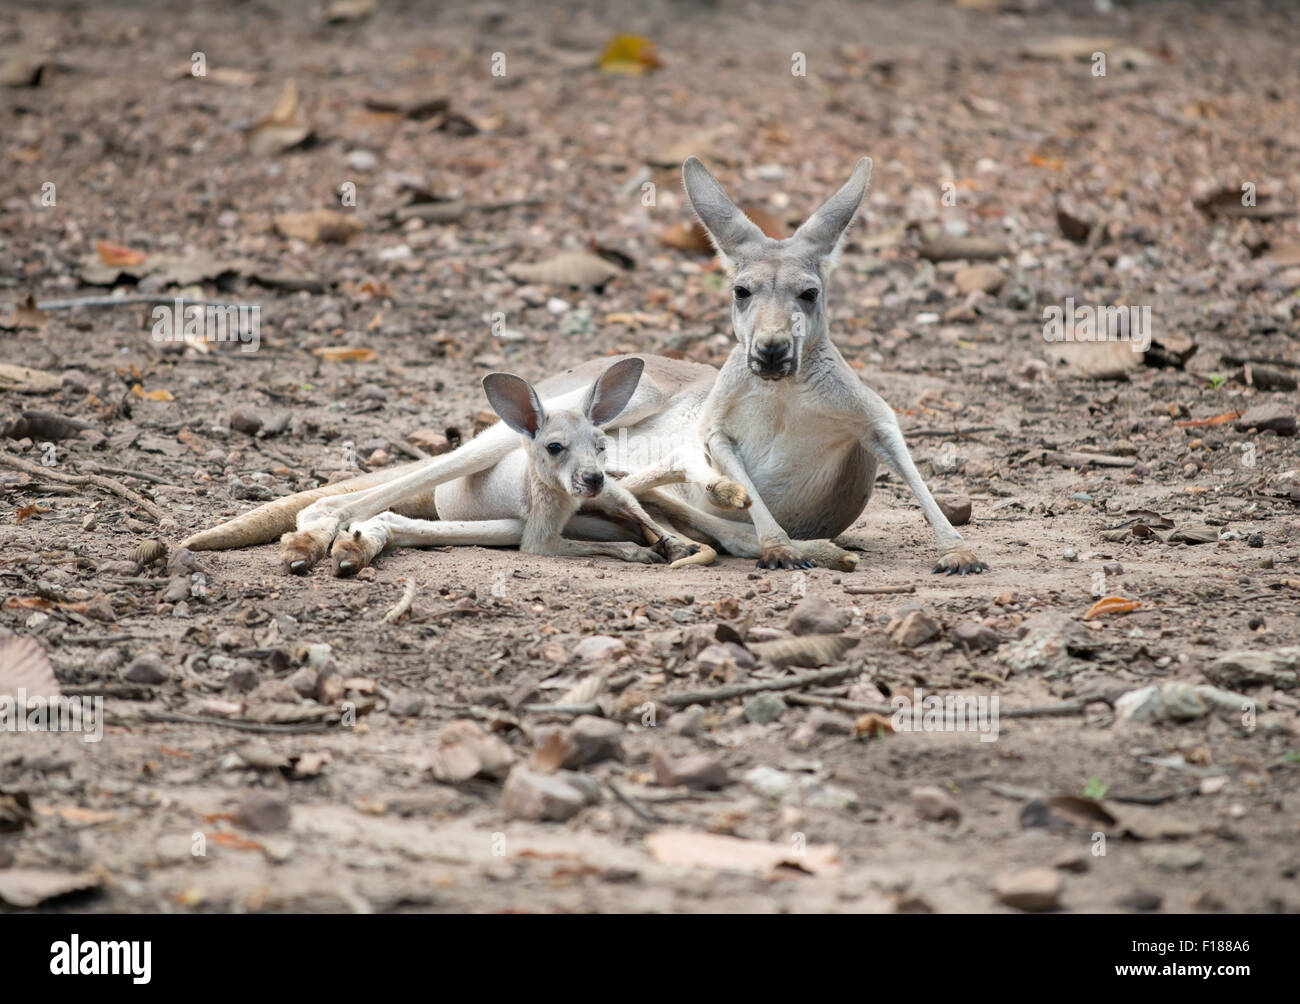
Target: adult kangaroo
[{"x": 785, "y": 429}]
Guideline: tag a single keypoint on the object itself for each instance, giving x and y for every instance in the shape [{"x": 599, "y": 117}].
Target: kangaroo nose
[
  {"x": 771, "y": 355},
  {"x": 593, "y": 481}
]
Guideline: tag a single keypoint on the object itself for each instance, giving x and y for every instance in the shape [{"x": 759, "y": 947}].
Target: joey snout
[{"x": 588, "y": 483}]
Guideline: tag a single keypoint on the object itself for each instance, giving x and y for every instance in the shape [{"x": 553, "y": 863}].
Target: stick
[
  {"x": 400, "y": 609},
  {"x": 269, "y": 728},
  {"x": 562, "y": 709},
  {"x": 107, "y": 484},
  {"x": 642, "y": 812},
  {"x": 126, "y": 472},
  {"x": 117, "y": 301},
  {"x": 949, "y": 432},
  {"x": 840, "y": 704},
  {"x": 877, "y": 590},
  {"x": 742, "y": 689}
]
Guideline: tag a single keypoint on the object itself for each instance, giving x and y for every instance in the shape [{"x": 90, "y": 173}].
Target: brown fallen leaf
[
  {"x": 152, "y": 395},
  {"x": 711, "y": 850},
  {"x": 872, "y": 725},
  {"x": 570, "y": 268},
  {"x": 1111, "y": 605},
  {"x": 24, "y": 315},
  {"x": 629, "y": 54},
  {"x": 234, "y": 842},
  {"x": 28, "y": 511},
  {"x": 318, "y": 226},
  {"x": 282, "y": 130},
  {"x": 347, "y": 353},
  {"x": 116, "y": 254},
  {"x": 77, "y": 814},
  {"x": 26, "y": 380},
  {"x": 1195, "y": 423}
]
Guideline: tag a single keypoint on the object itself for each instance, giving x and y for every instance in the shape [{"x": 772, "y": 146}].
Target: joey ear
[
  {"x": 514, "y": 399},
  {"x": 613, "y": 390},
  {"x": 730, "y": 230},
  {"x": 823, "y": 232}
]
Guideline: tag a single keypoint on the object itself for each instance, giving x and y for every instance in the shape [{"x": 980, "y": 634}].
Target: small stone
[
  {"x": 955, "y": 508},
  {"x": 1172, "y": 857},
  {"x": 178, "y": 588},
  {"x": 815, "y": 615},
  {"x": 262, "y": 812},
  {"x": 830, "y": 723},
  {"x": 1255, "y": 540},
  {"x": 764, "y": 708},
  {"x": 362, "y": 160},
  {"x": 1070, "y": 554},
  {"x": 407, "y": 704},
  {"x": 971, "y": 636},
  {"x": 769, "y": 782},
  {"x": 699, "y": 772},
  {"x": 934, "y": 804},
  {"x": 599, "y": 648},
  {"x": 982, "y": 278},
  {"x": 688, "y": 721},
  {"x": 245, "y": 420},
  {"x": 593, "y": 739},
  {"x": 1274, "y": 416},
  {"x": 1141, "y": 899},
  {"x": 913, "y": 628},
  {"x": 1033, "y": 890},
  {"x": 430, "y": 441},
  {"x": 182, "y": 562},
  {"x": 1071, "y": 861},
  {"x": 123, "y": 568},
  {"x": 1113, "y": 568},
  {"x": 530, "y": 794},
  {"x": 146, "y": 669}
]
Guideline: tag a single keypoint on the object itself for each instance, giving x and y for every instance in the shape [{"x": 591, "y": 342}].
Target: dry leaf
[
  {"x": 153, "y": 395},
  {"x": 571, "y": 268},
  {"x": 584, "y": 692},
  {"x": 809, "y": 650},
  {"x": 871, "y": 725},
  {"x": 281, "y": 130},
  {"x": 234, "y": 842},
  {"x": 28, "y": 887},
  {"x": 26, "y": 380},
  {"x": 629, "y": 54},
  {"x": 347, "y": 353},
  {"x": 1111, "y": 605},
  {"x": 115, "y": 254},
  {"x": 711, "y": 850},
  {"x": 25, "y": 666},
  {"x": 24, "y": 315},
  {"x": 318, "y": 226},
  {"x": 28, "y": 511}
]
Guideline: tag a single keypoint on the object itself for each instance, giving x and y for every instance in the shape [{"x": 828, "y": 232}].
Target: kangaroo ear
[
  {"x": 514, "y": 399},
  {"x": 611, "y": 393},
  {"x": 730, "y": 230},
  {"x": 823, "y": 232}
]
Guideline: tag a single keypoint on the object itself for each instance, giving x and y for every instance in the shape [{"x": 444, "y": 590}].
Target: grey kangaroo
[{"x": 768, "y": 458}]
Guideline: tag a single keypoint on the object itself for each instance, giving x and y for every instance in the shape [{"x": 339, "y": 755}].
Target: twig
[
  {"x": 269, "y": 728},
  {"x": 562, "y": 709},
  {"x": 642, "y": 812},
  {"x": 118, "y": 301},
  {"x": 107, "y": 484},
  {"x": 400, "y": 609},
  {"x": 757, "y": 687},
  {"x": 414, "y": 452},
  {"x": 949, "y": 432},
  {"x": 840, "y": 704},
  {"x": 877, "y": 590},
  {"x": 126, "y": 472},
  {"x": 1045, "y": 710}
]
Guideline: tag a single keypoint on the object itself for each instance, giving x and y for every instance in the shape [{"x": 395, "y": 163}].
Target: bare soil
[{"x": 553, "y": 156}]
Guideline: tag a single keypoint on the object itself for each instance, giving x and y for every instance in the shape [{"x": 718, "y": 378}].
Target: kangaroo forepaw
[
  {"x": 727, "y": 494},
  {"x": 300, "y": 549},
  {"x": 674, "y": 549},
  {"x": 784, "y": 556},
  {"x": 352, "y": 552},
  {"x": 960, "y": 561},
  {"x": 827, "y": 554}
]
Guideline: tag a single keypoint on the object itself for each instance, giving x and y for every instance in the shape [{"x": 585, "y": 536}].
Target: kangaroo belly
[
  {"x": 500, "y": 492},
  {"x": 823, "y": 496}
]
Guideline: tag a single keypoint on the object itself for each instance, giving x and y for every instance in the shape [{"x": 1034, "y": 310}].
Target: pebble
[
  {"x": 955, "y": 508},
  {"x": 769, "y": 782},
  {"x": 688, "y": 721},
  {"x": 148, "y": 669},
  {"x": 362, "y": 160},
  {"x": 974, "y": 637},
  {"x": 699, "y": 772},
  {"x": 913, "y": 628},
  {"x": 593, "y": 739},
  {"x": 815, "y": 615},
  {"x": 934, "y": 804},
  {"x": 263, "y": 812},
  {"x": 530, "y": 794},
  {"x": 599, "y": 648},
  {"x": 430, "y": 441},
  {"x": 1033, "y": 890},
  {"x": 982, "y": 278},
  {"x": 763, "y": 709},
  {"x": 1274, "y": 416}
]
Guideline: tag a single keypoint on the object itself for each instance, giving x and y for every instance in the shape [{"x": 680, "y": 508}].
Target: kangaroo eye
[
  {"x": 554, "y": 449},
  {"x": 809, "y": 295},
  {"x": 741, "y": 293}
]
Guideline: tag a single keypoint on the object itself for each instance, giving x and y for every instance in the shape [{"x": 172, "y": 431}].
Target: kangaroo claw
[
  {"x": 827, "y": 554},
  {"x": 702, "y": 555},
  {"x": 960, "y": 562},
  {"x": 300, "y": 550},
  {"x": 353, "y": 552},
  {"x": 784, "y": 556}
]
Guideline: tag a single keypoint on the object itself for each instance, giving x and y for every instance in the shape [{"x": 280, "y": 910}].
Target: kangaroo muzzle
[{"x": 772, "y": 360}]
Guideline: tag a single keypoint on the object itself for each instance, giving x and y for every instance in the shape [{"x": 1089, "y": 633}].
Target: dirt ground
[{"x": 206, "y": 792}]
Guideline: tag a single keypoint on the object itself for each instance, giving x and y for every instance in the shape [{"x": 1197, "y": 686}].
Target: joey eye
[
  {"x": 554, "y": 449},
  {"x": 809, "y": 295},
  {"x": 741, "y": 293}
]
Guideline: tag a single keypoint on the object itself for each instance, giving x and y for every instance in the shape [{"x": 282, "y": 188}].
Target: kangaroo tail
[{"x": 267, "y": 522}]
